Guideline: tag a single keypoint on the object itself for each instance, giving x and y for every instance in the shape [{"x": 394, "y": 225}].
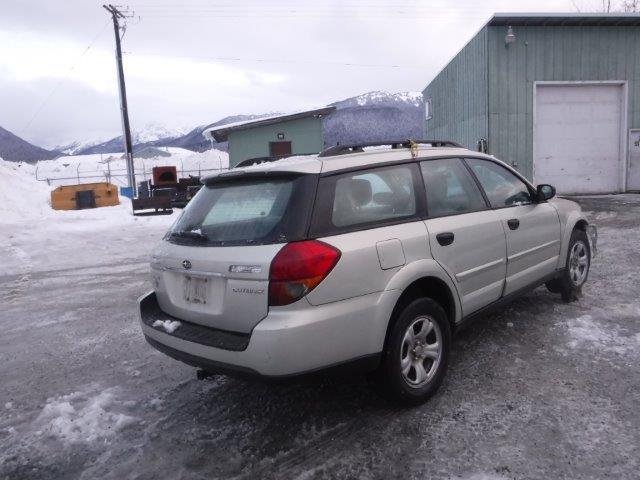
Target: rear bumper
[{"x": 290, "y": 341}]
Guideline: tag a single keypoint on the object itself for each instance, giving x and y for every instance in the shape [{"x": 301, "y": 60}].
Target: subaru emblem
[{"x": 186, "y": 264}]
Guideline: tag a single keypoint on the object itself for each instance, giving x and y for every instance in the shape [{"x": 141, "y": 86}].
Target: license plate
[{"x": 195, "y": 289}]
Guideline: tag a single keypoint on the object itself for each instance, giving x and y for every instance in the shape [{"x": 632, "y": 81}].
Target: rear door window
[
  {"x": 451, "y": 190},
  {"x": 247, "y": 211},
  {"x": 366, "y": 199}
]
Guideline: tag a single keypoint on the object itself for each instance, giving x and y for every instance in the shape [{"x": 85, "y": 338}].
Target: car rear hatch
[{"x": 213, "y": 266}]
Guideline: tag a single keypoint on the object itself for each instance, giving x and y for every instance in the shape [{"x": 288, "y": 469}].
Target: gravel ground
[{"x": 539, "y": 389}]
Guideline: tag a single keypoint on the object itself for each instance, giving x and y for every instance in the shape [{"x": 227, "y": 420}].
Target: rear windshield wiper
[{"x": 190, "y": 234}]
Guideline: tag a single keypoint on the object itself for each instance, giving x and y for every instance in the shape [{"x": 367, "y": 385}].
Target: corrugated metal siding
[
  {"x": 305, "y": 135},
  {"x": 459, "y": 96},
  {"x": 552, "y": 54}
]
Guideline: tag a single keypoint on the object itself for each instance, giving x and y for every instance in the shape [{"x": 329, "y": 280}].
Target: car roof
[{"x": 370, "y": 157}]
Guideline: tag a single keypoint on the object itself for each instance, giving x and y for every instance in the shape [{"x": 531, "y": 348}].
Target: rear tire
[
  {"x": 415, "y": 359},
  {"x": 576, "y": 270}
]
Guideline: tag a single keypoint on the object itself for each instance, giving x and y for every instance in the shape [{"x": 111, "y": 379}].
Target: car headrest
[
  {"x": 437, "y": 184},
  {"x": 361, "y": 191}
]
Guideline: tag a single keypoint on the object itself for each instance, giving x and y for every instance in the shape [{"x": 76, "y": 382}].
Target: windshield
[{"x": 246, "y": 211}]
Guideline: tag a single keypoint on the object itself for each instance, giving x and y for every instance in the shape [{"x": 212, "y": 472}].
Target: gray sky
[{"x": 189, "y": 63}]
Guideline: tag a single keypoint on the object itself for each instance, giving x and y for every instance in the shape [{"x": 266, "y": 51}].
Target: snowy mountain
[
  {"x": 371, "y": 116},
  {"x": 195, "y": 141},
  {"x": 150, "y": 134},
  {"x": 375, "y": 116},
  {"x": 73, "y": 148},
  {"x": 377, "y": 97},
  {"x": 15, "y": 149}
]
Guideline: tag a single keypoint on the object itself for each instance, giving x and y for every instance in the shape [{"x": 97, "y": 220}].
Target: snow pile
[
  {"x": 21, "y": 196},
  {"x": 169, "y": 326},
  {"x": 83, "y": 417}
]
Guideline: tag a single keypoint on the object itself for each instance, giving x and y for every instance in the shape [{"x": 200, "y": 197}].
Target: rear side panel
[{"x": 361, "y": 269}]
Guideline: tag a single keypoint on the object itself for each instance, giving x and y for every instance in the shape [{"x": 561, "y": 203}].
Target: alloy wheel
[{"x": 421, "y": 351}]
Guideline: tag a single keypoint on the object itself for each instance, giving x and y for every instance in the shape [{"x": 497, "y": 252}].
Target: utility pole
[{"x": 116, "y": 15}]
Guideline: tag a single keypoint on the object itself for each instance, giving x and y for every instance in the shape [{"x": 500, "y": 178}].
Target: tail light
[{"x": 298, "y": 268}]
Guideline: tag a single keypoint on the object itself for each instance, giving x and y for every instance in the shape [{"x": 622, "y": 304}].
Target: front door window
[{"x": 503, "y": 188}]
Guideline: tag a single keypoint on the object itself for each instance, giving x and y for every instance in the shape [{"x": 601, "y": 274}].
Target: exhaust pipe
[{"x": 203, "y": 374}]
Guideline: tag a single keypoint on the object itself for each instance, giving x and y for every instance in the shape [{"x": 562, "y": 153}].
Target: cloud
[{"x": 194, "y": 63}]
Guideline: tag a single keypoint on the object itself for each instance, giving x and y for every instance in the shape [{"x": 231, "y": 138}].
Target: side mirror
[{"x": 545, "y": 192}]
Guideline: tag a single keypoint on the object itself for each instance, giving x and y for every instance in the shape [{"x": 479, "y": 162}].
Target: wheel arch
[
  {"x": 574, "y": 221},
  {"x": 438, "y": 288},
  {"x": 581, "y": 224}
]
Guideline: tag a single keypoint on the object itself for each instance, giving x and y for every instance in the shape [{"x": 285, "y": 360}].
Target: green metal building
[
  {"x": 555, "y": 95},
  {"x": 278, "y": 136}
]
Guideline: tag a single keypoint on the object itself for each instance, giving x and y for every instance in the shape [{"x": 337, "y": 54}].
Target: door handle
[
  {"x": 445, "y": 238},
  {"x": 513, "y": 223}
]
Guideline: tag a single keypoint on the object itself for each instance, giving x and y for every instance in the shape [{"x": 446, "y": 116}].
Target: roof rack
[{"x": 359, "y": 147}]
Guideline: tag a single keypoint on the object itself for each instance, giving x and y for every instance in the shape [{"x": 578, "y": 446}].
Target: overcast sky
[{"x": 194, "y": 62}]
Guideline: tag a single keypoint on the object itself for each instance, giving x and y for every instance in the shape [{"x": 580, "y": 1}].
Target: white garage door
[{"x": 577, "y": 137}]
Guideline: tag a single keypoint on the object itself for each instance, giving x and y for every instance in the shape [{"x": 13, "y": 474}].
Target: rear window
[{"x": 247, "y": 211}]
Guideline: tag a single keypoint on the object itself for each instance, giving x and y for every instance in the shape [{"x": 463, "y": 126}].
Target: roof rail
[{"x": 359, "y": 147}]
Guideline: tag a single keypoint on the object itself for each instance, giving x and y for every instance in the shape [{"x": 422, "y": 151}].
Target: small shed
[
  {"x": 297, "y": 133},
  {"x": 85, "y": 195},
  {"x": 555, "y": 95}
]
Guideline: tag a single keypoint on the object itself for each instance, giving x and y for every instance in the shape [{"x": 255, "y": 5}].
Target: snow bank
[
  {"x": 83, "y": 416},
  {"x": 21, "y": 196},
  {"x": 26, "y": 201}
]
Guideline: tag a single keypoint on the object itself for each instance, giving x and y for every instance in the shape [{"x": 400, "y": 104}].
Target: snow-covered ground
[
  {"x": 100, "y": 167},
  {"x": 539, "y": 389}
]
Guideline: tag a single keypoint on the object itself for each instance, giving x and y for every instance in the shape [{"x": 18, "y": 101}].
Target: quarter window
[
  {"x": 503, "y": 188},
  {"x": 451, "y": 190},
  {"x": 373, "y": 196}
]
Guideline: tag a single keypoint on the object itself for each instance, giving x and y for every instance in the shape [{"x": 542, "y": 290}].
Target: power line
[
  {"x": 260, "y": 9},
  {"x": 264, "y": 60},
  {"x": 63, "y": 79}
]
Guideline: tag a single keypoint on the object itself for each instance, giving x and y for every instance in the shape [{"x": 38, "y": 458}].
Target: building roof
[
  {"x": 221, "y": 132},
  {"x": 550, "y": 19},
  {"x": 560, "y": 19}
]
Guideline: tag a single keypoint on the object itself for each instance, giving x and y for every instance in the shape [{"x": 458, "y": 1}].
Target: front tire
[
  {"x": 416, "y": 356},
  {"x": 576, "y": 269}
]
